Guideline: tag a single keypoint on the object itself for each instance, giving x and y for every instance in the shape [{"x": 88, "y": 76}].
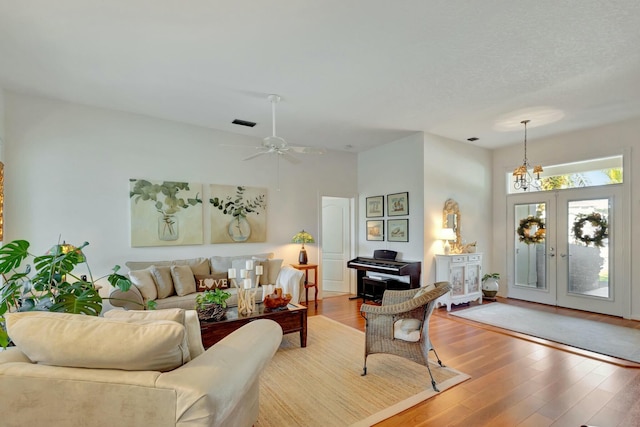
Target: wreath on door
[
  {"x": 601, "y": 229},
  {"x": 524, "y": 230}
]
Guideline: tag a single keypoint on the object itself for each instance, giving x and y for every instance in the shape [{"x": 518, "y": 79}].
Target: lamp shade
[
  {"x": 447, "y": 234},
  {"x": 302, "y": 237}
]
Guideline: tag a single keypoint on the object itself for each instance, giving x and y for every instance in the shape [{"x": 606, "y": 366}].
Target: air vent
[
  {"x": 472, "y": 139},
  {"x": 243, "y": 123}
]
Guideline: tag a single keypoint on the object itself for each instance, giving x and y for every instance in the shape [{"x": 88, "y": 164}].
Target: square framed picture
[
  {"x": 375, "y": 230},
  {"x": 398, "y": 230},
  {"x": 398, "y": 204},
  {"x": 375, "y": 206}
]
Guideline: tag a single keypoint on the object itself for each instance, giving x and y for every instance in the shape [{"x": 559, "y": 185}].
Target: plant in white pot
[{"x": 490, "y": 285}]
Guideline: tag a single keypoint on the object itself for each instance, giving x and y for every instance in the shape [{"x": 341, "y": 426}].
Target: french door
[{"x": 566, "y": 248}]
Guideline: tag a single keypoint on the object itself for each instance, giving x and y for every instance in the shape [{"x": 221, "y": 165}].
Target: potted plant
[
  {"x": 490, "y": 284},
  {"x": 51, "y": 285},
  {"x": 212, "y": 304}
]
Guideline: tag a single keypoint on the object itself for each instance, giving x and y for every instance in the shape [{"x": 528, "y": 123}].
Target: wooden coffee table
[{"x": 292, "y": 319}]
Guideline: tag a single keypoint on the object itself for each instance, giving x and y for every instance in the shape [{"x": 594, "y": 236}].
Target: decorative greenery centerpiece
[
  {"x": 212, "y": 304},
  {"x": 531, "y": 230},
  {"x": 600, "y": 231},
  {"x": 53, "y": 286},
  {"x": 239, "y": 207}
]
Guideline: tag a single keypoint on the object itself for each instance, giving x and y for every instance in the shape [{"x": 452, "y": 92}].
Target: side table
[{"x": 307, "y": 283}]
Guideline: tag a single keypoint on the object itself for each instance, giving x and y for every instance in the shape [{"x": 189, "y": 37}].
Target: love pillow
[{"x": 206, "y": 282}]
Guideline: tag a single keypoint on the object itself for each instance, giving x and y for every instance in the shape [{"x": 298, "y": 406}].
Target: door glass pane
[
  {"x": 530, "y": 260},
  {"x": 589, "y": 247}
]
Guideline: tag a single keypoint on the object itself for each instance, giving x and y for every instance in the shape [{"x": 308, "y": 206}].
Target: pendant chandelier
[{"x": 522, "y": 179}]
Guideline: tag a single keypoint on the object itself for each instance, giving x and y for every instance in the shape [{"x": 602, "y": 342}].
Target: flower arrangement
[{"x": 525, "y": 230}]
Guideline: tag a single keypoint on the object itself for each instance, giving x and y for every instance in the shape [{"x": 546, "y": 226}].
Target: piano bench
[{"x": 373, "y": 288}]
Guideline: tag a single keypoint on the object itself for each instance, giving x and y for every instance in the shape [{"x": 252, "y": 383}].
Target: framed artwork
[
  {"x": 165, "y": 213},
  {"x": 398, "y": 204},
  {"x": 375, "y": 230},
  {"x": 398, "y": 230},
  {"x": 238, "y": 214},
  {"x": 375, "y": 206}
]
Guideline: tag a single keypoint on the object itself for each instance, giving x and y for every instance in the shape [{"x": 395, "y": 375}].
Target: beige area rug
[{"x": 321, "y": 385}]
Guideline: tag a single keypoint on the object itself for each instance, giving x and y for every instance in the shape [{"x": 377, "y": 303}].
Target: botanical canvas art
[
  {"x": 165, "y": 213},
  {"x": 238, "y": 214}
]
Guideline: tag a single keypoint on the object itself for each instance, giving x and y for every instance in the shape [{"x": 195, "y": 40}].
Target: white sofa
[
  {"x": 131, "y": 370},
  {"x": 176, "y": 283}
]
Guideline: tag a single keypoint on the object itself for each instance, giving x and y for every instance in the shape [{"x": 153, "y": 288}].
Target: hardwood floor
[{"x": 514, "y": 381}]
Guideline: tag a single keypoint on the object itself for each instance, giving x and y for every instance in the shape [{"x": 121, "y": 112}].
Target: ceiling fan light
[{"x": 274, "y": 142}]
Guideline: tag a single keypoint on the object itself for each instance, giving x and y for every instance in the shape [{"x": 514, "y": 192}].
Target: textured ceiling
[{"x": 350, "y": 73}]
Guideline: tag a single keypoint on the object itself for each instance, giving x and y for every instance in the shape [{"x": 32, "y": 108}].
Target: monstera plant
[{"x": 51, "y": 284}]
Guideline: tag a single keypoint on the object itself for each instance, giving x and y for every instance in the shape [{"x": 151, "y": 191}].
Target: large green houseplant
[{"x": 51, "y": 285}]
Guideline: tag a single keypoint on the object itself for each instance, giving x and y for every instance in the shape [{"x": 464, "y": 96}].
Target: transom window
[{"x": 588, "y": 173}]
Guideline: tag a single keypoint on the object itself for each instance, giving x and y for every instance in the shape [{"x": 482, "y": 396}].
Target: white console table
[{"x": 464, "y": 272}]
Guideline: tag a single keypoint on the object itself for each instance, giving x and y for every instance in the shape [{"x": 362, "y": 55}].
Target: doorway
[
  {"x": 567, "y": 249},
  {"x": 336, "y": 245}
]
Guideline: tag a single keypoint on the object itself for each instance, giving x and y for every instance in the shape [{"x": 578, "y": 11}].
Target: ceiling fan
[{"x": 276, "y": 145}]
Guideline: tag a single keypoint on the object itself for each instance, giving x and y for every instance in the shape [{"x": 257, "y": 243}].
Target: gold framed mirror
[{"x": 451, "y": 219}]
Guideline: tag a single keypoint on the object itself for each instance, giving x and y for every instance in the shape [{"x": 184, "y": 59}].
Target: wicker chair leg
[
  {"x": 433, "y": 382},
  {"x": 364, "y": 370},
  {"x": 437, "y": 357}
]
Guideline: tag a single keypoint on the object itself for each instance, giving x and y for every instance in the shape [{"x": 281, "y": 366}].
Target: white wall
[
  {"x": 432, "y": 169},
  {"x": 68, "y": 168},
  {"x": 459, "y": 171},
  {"x": 393, "y": 168},
  {"x": 620, "y": 138}
]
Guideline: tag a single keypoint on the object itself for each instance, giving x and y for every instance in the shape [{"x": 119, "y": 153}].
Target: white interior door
[
  {"x": 335, "y": 244},
  {"x": 562, "y": 269}
]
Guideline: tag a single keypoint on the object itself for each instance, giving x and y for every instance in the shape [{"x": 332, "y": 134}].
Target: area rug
[
  {"x": 321, "y": 385},
  {"x": 598, "y": 337}
]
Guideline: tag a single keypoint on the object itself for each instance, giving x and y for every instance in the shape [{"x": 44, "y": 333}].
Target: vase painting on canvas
[
  {"x": 165, "y": 213},
  {"x": 238, "y": 214}
]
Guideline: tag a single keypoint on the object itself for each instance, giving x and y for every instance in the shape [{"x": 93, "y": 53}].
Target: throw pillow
[
  {"x": 274, "y": 269},
  {"x": 424, "y": 290},
  {"x": 143, "y": 280},
  {"x": 407, "y": 330},
  {"x": 183, "y": 280},
  {"x": 76, "y": 340},
  {"x": 212, "y": 281},
  {"x": 198, "y": 265},
  {"x": 176, "y": 314},
  {"x": 164, "y": 282}
]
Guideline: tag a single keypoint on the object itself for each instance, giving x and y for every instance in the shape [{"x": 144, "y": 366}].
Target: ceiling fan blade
[
  {"x": 308, "y": 150},
  {"x": 253, "y": 156},
  {"x": 289, "y": 157}
]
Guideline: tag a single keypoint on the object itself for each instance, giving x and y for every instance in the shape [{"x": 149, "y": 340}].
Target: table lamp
[
  {"x": 302, "y": 237},
  {"x": 447, "y": 234}
]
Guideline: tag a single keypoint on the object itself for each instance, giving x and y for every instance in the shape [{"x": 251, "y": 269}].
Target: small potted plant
[
  {"x": 490, "y": 284},
  {"x": 212, "y": 305}
]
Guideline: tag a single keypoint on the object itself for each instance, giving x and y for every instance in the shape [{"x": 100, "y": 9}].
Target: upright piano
[{"x": 384, "y": 261}]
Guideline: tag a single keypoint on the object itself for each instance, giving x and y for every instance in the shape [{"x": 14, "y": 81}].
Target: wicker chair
[{"x": 396, "y": 305}]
